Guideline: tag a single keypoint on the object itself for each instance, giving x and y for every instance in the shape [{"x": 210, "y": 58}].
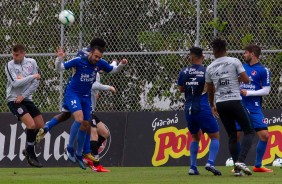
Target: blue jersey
[
  {"x": 193, "y": 80},
  {"x": 259, "y": 77},
  {"x": 84, "y": 74}
]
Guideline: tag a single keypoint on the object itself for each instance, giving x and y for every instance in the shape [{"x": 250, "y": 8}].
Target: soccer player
[
  {"x": 222, "y": 80},
  {"x": 77, "y": 97},
  {"x": 98, "y": 132},
  {"x": 252, "y": 98},
  {"x": 23, "y": 80},
  {"x": 199, "y": 117}
]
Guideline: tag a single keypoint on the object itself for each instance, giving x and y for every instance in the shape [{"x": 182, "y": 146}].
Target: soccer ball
[
  {"x": 66, "y": 17},
  {"x": 229, "y": 162},
  {"x": 277, "y": 162}
]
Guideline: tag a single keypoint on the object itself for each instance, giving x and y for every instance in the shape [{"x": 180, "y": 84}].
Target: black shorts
[
  {"x": 231, "y": 112},
  {"x": 20, "y": 109},
  {"x": 95, "y": 120}
]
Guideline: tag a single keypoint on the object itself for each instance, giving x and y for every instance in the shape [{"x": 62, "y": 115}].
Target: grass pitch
[{"x": 124, "y": 175}]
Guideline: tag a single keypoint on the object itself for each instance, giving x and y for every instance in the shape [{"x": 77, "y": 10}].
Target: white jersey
[
  {"x": 223, "y": 72},
  {"x": 96, "y": 87},
  {"x": 20, "y": 79}
]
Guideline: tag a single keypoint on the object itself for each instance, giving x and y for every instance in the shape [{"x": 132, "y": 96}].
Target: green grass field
[{"x": 125, "y": 175}]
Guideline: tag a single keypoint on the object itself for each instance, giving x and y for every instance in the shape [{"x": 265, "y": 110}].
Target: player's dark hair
[
  {"x": 197, "y": 51},
  {"x": 100, "y": 49},
  {"x": 98, "y": 42},
  {"x": 219, "y": 45},
  {"x": 254, "y": 49},
  {"x": 18, "y": 47}
]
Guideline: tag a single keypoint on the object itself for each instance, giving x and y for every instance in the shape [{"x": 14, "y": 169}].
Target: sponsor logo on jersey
[{"x": 224, "y": 82}]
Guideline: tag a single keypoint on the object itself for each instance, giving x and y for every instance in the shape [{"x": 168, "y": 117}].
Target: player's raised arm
[
  {"x": 60, "y": 58},
  {"x": 118, "y": 68}
]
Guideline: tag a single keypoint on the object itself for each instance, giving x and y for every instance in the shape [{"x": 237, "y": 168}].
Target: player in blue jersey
[
  {"x": 77, "y": 97},
  {"x": 198, "y": 113},
  {"x": 252, "y": 98},
  {"x": 99, "y": 129}
]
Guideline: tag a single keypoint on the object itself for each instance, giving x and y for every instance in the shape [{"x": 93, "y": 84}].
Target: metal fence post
[
  {"x": 197, "y": 42},
  {"x": 61, "y": 72},
  {"x": 81, "y": 24},
  {"x": 214, "y": 16}
]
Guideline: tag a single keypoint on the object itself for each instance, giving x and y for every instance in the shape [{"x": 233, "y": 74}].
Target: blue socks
[
  {"x": 194, "y": 147},
  {"x": 261, "y": 147},
  {"x": 73, "y": 132},
  {"x": 81, "y": 136},
  {"x": 50, "y": 124},
  {"x": 214, "y": 147},
  {"x": 86, "y": 148}
]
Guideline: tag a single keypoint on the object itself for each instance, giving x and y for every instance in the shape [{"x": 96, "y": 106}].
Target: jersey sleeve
[
  {"x": 34, "y": 84},
  {"x": 238, "y": 65},
  {"x": 207, "y": 76},
  {"x": 265, "y": 77},
  {"x": 12, "y": 77},
  {"x": 106, "y": 66},
  {"x": 72, "y": 63},
  {"x": 180, "y": 79}
]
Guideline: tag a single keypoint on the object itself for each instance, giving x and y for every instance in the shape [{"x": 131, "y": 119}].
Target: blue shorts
[
  {"x": 257, "y": 118},
  {"x": 74, "y": 102},
  {"x": 203, "y": 120}
]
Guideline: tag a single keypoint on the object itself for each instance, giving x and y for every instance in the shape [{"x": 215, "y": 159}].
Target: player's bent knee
[
  {"x": 106, "y": 135},
  {"x": 213, "y": 135},
  {"x": 84, "y": 125},
  {"x": 28, "y": 121},
  {"x": 39, "y": 122}
]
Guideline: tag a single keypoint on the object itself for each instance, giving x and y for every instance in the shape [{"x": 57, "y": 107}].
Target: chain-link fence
[{"x": 154, "y": 35}]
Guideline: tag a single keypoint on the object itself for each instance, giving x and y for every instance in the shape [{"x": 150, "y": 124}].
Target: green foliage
[
  {"x": 247, "y": 39},
  {"x": 218, "y": 24},
  {"x": 135, "y": 26}
]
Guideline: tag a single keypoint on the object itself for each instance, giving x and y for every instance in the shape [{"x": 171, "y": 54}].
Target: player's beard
[{"x": 248, "y": 60}]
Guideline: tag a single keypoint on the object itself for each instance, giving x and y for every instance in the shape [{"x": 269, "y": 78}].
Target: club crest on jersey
[
  {"x": 254, "y": 72},
  {"x": 29, "y": 68},
  {"x": 96, "y": 68},
  {"x": 20, "y": 110}
]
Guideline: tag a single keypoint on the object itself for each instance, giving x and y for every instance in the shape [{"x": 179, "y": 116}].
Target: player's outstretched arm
[
  {"x": 121, "y": 65},
  {"x": 60, "y": 58},
  {"x": 98, "y": 86},
  {"x": 261, "y": 92}
]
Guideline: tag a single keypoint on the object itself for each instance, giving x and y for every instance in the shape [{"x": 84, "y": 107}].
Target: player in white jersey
[
  {"x": 99, "y": 132},
  {"x": 222, "y": 80},
  {"x": 23, "y": 81}
]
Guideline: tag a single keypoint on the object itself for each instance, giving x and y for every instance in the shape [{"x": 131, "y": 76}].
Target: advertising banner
[
  {"x": 162, "y": 139},
  {"x": 136, "y": 139},
  {"x": 51, "y": 151}
]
